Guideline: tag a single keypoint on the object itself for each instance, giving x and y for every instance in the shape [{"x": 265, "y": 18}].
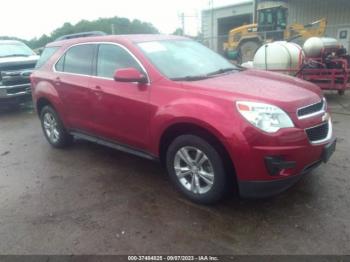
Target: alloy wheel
[
  {"x": 194, "y": 170},
  {"x": 51, "y": 127}
]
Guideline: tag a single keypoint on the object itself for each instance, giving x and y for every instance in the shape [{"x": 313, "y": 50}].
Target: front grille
[
  {"x": 312, "y": 109},
  {"x": 14, "y": 78},
  {"x": 14, "y": 81},
  {"x": 16, "y": 90},
  {"x": 18, "y": 66},
  {"x": 318, "y": 133}
]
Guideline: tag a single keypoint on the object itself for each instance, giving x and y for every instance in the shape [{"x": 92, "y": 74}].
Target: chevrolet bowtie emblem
[{"x": 325, "y": 117}]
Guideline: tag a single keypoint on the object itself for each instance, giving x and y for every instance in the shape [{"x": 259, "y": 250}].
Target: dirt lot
[{"x": 93, "y": 200}]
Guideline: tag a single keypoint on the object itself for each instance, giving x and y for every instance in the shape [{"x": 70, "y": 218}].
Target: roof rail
[{"x": 83, "y": 34}]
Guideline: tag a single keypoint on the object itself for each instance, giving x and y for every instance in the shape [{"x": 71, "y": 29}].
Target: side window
[
  {"x": 343, "y": 34},
  {"x": 77, "y": 60},
  {"x": 60, "y": 64},
  {"x": 113, "y": 57}
]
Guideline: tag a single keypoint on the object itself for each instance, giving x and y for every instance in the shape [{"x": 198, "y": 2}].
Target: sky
[{"x": 27, "y": 19}]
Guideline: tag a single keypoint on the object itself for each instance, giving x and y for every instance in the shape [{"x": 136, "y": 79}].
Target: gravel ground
[{"x": 93, "y": 200}]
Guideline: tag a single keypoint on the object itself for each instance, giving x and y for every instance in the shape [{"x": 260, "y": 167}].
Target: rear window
[{"x": 45, "y": 56}]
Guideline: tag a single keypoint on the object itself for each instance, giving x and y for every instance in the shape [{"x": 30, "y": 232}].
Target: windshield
[
  {"x": 185, "y": 59},
  {"x": 15, "y": 49}
]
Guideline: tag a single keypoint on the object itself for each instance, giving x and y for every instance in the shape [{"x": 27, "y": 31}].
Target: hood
[
  {"x": 15, "y": 59},
  {"x": 20, "y": 62},
  {"x": 287, "y": 92}
]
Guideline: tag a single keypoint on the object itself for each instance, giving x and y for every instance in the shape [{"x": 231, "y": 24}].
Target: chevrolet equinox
[{"x": 213, "y": 125}]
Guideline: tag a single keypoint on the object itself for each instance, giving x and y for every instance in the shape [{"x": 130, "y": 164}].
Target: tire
[
  {"x": 193, "y": 179},
  {"x": 247, "y": 51},
  {"x": 54, "y": 129}
]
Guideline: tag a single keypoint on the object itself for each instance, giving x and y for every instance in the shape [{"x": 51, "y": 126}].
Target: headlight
[
  {"x": 325, "y": 106},
  {"x": 266, "y": 117}
]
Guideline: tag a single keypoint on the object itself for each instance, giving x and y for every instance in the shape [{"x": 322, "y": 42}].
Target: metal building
[{"x": 217, "y": 22}]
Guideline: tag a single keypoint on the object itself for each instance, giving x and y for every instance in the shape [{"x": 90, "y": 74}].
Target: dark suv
[
  {"x": 17, "y": 62},
  {"x": 212, "y": 124}
]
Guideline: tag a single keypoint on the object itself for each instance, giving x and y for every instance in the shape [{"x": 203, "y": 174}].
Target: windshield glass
[
  {"x": 14, "y": 49},
  {"x": 282, "y": 18},
  {"x": 185, "y": 59}
]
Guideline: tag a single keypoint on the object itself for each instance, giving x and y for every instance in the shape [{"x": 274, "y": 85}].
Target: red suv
[{"x": 213, "y": 125}]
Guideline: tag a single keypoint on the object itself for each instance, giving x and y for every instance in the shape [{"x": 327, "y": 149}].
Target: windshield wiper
[
  {"x": 191, "y": 78},
  {"x": 209, "y": 75},
  {"x": 14, "y": 55},
  {"x": 222, "y": 71}
]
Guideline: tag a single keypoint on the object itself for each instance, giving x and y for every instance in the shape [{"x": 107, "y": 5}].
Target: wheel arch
[
  {"x": 185, "y": 128},
  {"x": 41, "y": 103},
  {"x": 54, "y": 102}
]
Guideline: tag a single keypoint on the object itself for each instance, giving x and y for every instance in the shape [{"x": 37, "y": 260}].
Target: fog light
[{"x": 276, "y": 164}]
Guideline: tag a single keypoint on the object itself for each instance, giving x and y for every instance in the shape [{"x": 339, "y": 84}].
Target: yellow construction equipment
[{"x": 245, "y": 40}]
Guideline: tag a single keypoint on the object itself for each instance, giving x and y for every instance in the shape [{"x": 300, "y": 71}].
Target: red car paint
[{"x": 139, "y": 114}]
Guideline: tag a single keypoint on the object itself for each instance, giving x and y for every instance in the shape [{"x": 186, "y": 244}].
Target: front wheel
[
  {"x": 196, "y": 169},
  {"x": 53, "y": 128}
]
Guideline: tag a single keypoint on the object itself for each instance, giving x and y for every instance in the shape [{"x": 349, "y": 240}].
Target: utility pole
[
  {"x": 182, "y": 16},
  {"x": 113, "y": 29},
  {"x": 255, "y": 5}
]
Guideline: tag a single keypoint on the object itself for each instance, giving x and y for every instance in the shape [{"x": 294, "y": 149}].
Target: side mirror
[{"x": 130, "y": 75}]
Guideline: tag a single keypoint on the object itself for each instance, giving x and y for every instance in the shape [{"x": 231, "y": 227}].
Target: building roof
[{"x": 243, "y": 2}]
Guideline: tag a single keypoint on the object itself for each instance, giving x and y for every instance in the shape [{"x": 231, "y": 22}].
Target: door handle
[
  {"x": 98, "y": 89},
  {"x": 98, "y": 92},
  {"x": 57, "y": 81}
]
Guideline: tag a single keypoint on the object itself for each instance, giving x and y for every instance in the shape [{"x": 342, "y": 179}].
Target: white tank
[
  {"x": 248, "y": 65},
  {"x": 279, "y": 55},
  {"x": 314, "y": 45}
]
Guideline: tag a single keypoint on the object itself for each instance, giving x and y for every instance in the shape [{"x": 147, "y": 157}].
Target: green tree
[
  {"x": 178, "y": 31},
  {"x": 121, "y": 26}
]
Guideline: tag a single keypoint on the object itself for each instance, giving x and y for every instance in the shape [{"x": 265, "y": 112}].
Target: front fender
[{"x": 211, "y": 116}]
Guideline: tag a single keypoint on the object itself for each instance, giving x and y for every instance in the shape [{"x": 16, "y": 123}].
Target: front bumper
[
  {"x": 268, "y": 164},
  {"x": 265, "y": 189},
  {"x": 18, "y": 94}
]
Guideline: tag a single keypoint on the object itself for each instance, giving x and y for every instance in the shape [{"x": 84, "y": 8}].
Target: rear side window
[
  {"x": 60, "y": 64},
  {"x": 77, "y": 60},
  {"x": 45, "y": 56},
  {"x": 113, "y": 57}
]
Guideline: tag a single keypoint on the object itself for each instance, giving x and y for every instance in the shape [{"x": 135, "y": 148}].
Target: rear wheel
[
  {"x": 53, "y": 128},
  {"x": 247, "y": 51},
  {"x": 196, "y": 169}
]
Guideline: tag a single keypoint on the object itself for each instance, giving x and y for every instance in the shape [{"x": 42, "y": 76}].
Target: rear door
[{"x": 74, "y": 71}]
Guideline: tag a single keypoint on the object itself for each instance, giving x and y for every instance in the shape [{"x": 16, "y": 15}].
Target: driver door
[{"x": 121, "y": 111}]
